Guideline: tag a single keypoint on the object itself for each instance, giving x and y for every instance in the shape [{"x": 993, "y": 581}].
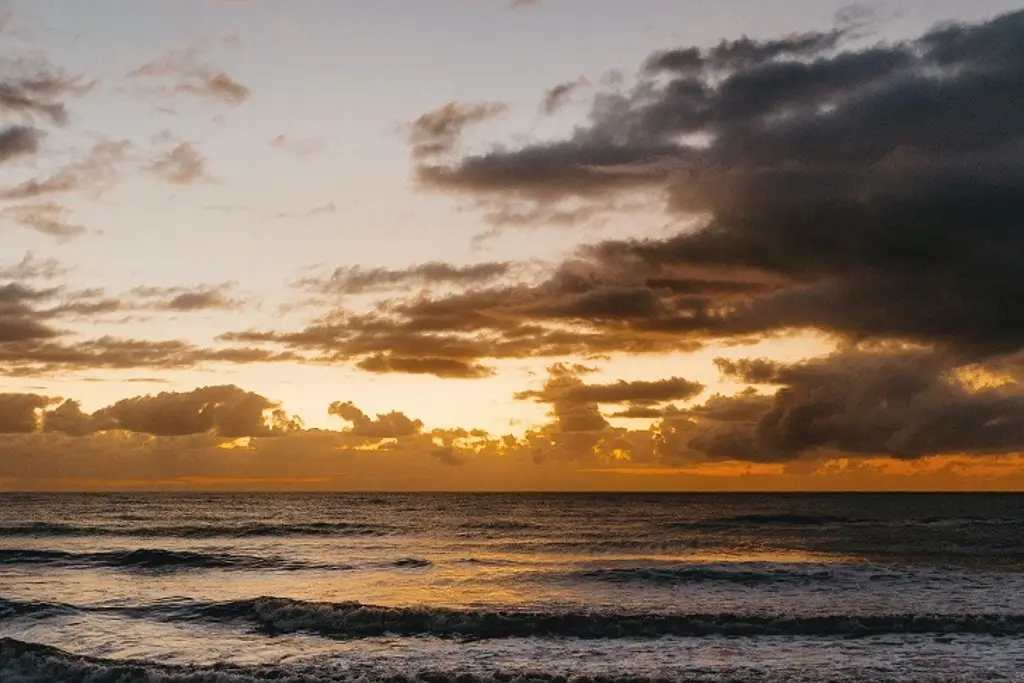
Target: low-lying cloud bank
[{"x": 847, "y": 420}]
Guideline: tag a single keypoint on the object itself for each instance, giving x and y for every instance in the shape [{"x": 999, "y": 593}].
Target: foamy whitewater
[{"x": 467, "y": 588}]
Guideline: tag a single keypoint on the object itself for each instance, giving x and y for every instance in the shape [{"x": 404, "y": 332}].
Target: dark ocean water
[{"x": 466, "y": 588}]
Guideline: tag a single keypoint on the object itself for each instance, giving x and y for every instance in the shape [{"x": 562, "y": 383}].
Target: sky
[{"x": 480, "y": 244}]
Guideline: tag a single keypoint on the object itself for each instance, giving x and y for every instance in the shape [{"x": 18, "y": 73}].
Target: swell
[
  {"x": 152, "y": 559},
  {"x": 249, "y": 530}
]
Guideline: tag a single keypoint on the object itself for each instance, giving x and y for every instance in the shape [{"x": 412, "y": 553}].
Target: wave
[
  {"x": 411, "y": 563},
  {"x": 199, "y": 530},
  {"x": 153, "y": 559},
  {"x": 353, "y": 620},
  {"x": 250, "y": 530},
  {"x": 501, "y": 525},
  {"x": 356, "y": 620},
  {"x": 783, "y": 519},
  {"x": 12, "y": 609},
  {"x": 697, "y": 574}
]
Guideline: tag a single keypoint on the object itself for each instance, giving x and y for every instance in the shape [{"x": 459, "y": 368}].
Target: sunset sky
[{"x": 478, "y": 244}]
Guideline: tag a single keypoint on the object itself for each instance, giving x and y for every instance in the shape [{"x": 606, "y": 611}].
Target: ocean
[{"x": 466, "y": 588}]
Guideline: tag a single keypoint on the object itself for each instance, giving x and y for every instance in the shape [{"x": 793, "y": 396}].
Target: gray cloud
[
  {"x": 435, "y": 133},
  {"x": 559, "y": 95},
  {"x": 868, "y": 192},
  {"x": 16, "y": 141},
  {"x": 895, "y": 402}
]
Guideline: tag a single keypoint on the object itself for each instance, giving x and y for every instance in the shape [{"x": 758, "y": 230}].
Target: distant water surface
[{"x": 236, "y": 588}]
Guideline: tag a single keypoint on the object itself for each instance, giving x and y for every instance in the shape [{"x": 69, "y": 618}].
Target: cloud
[
  {"x": 48, "y": 218},
  {"x": 16, "y": 141},
  {"x": 360, "y": 280},
  {"x": 223, "y": 411},
  {"x": 435, "y": 133},
  {"x": 302, "y": 147},
  {"x": 184, "y": 73},
  {"x": 183, "y": 165},
  {"x": 19, "y": 412},
  {"x": 856, "y": 409},
  {"x": 31, "y": 344},
  {"x": 20, "y": 322},
  {"x": 448, "y": 368},
  {"x": 32, "y": 267},
  {"x": 27, "y": 350},
  {"x": 189, "y": 299},
  {"x": 391, "y": 425},
  {"x": 36, "y": 91},
  {"x": 559, "y": 95},
  {"x": 97, "y": 170},
  {"x": 866, "y": 192},
  {"x": 574, "y": 390},
  {"x": 898, "y": 402}
]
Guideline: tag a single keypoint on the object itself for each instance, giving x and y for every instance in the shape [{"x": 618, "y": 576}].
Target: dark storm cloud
[
  {"x": 871, "y": 192},
  {"x": 903, "y": 403},
  {"x": 359, "y": 280},
  {"x": 391, "y": 425},
  {"x": 436, "y": 132}
]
